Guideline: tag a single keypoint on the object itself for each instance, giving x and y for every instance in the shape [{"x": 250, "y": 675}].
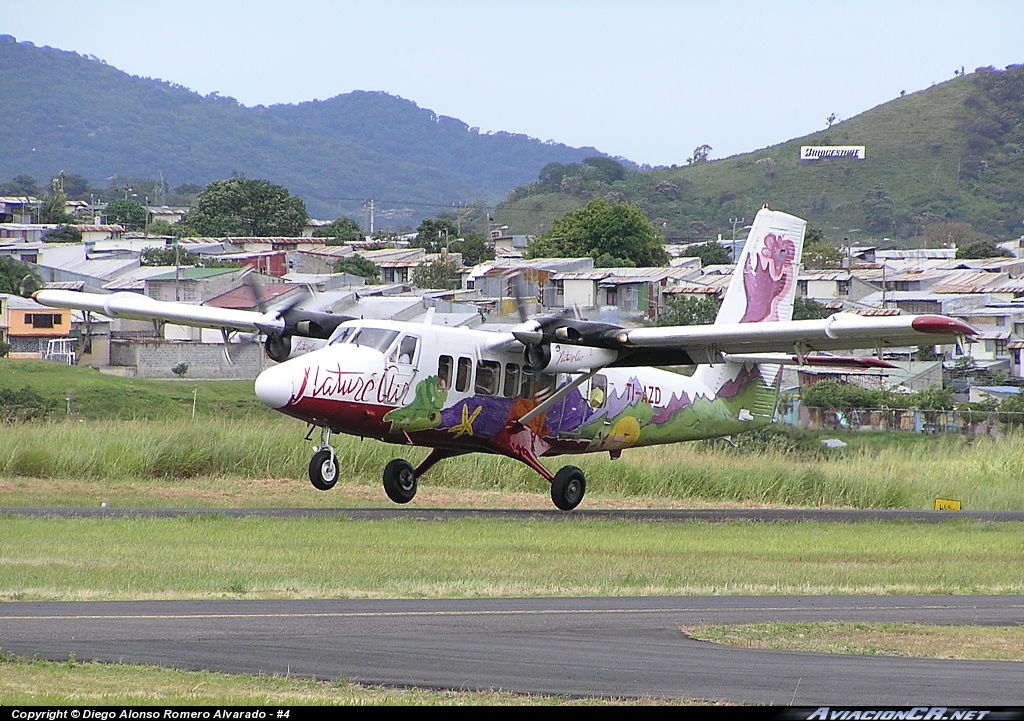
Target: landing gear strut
[{"x": 323, "y": 467}]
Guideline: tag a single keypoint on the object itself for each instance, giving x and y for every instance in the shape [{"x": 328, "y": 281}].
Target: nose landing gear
[{"x": 323, "y": 467}]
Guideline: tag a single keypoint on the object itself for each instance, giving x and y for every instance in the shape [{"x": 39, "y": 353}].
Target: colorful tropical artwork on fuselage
[{"x": 630, "y": 415}]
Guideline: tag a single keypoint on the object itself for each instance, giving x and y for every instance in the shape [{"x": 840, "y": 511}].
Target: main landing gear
[
  {"x": 400, "y": 479},
  {"x": 568, "y": 485}
]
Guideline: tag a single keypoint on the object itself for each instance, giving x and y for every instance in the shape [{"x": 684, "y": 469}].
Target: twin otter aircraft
[{"x": 552, "y": 385}]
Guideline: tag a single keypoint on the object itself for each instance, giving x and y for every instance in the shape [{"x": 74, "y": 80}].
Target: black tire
[
  {"x": 400, "y": 481},
  {"x": 323, "y": 470},
  {"x": 568, "y": 487}
]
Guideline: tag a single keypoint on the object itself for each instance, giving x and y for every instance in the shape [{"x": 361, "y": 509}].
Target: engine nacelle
[
  {"x": 567, "y": 358},
  {"x": 282, "y": 347}
]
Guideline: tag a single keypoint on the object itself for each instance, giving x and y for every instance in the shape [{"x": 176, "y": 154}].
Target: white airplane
[{"x": 552, "y": 385}]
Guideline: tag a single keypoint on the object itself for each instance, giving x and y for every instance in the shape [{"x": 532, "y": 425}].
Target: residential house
[
  {"x": 28, "y": 327},
  {"x": 19, "y": 209},
  {"x": 637, "y": 291},
  {"x": 833, "y": 285}
]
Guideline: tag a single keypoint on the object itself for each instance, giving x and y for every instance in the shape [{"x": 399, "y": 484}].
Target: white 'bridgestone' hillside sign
[{"x": 822, "y": 152}]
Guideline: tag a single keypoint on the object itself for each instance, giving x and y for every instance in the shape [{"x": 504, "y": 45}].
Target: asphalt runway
[
  {"x": 607, "y": 647},
  {"x": 620, "y": 647}
]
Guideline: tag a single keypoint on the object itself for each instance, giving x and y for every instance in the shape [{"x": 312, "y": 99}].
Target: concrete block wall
[{"x": 155, "y": 359}]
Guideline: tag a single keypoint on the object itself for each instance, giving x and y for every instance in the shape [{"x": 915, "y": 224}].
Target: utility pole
[
  {"x": 735, "y": 222},
  {"x": 368, "y": 215}
]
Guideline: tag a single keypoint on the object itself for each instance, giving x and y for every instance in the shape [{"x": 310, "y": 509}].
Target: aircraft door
[{"x": 401, "y": 368}]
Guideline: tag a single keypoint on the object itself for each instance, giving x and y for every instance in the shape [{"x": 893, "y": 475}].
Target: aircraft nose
[{"x": 274, "y": 386}]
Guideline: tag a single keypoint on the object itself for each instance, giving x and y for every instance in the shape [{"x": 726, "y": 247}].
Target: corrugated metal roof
[{"x": 193, "y": 273}]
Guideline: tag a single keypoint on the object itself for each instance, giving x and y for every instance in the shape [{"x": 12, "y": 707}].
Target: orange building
[{"x": 29, "y": 327}]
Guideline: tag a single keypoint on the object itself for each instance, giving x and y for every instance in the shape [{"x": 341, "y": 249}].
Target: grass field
[
  {"x": 263, "y": 461},
  {"x": 213, "y": 557},
  {"x": 974, "y": 643},
  {"x": 45, "y": 683}
]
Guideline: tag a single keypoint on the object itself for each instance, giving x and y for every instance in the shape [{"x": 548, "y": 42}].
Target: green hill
[
  {"x": 64, "y": 111},
  {"x": 952, "y": 152}
]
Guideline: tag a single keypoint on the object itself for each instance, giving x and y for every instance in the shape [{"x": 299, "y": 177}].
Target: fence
[{"x": 964, "y": 422}]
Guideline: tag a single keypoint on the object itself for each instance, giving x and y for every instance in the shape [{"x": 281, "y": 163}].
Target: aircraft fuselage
[{"x": 432, "y": 386}]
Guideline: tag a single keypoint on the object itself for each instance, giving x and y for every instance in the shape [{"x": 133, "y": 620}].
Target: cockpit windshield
[
  {"x": 378, "y": 338},
  {"x": 343, "y": 334}
]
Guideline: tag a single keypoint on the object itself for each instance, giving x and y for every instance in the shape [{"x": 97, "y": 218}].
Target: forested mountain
[
  {"x": 947, "y": 156},
  {"x": 64, "y": 111}
]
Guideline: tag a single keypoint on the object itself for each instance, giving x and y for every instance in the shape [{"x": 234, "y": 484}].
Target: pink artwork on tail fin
[{"x": 768, "y": 279}]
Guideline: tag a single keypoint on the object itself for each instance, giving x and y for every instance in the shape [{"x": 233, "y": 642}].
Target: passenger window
[
  {"x": 487, "y": 377},
  {"x": 464, "y": 373},
  {"x": 527, "y": 388},
  {"x": 511, "y": 386},
  {"x": 444, "y": 372}
]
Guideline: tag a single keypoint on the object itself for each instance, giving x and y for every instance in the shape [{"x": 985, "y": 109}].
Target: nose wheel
[{"x": 323, "y": 467}]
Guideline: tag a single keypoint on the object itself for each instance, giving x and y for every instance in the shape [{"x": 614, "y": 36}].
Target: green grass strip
[
  {"x": 970, "y": 643},
  {"x": 218, "y": 557}
]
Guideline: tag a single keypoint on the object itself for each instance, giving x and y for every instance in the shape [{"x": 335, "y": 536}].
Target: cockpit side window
[{"x": 405, "y": 352}]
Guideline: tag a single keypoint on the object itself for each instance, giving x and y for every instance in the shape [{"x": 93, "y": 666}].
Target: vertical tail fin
[
  {"x": 763, "y": 286},
  {"x": 762, "y": 290}
]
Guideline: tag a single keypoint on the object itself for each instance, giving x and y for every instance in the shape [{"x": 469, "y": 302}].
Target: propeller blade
[{"x": 519, "y": 288}]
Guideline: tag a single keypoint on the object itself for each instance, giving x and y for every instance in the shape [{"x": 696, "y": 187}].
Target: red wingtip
[{"x": 941, "y": 325}]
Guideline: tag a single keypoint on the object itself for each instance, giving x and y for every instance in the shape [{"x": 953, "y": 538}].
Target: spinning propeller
[
  {"x": 537, "y": 334},
  {"x": 287, "y": 319}
]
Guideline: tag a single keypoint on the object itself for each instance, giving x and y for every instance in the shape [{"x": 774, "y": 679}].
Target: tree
[
  {"x": 981, "y": 249},
  {"x": 357, "y": 265},
  {"x": 701, "y": 154},
  {"x": 128, "y": 213},
  {"x": 474, "y": 249},
  {"x": 606, "y": 169},
  {"x": 819, "y": 254},
  {"x": 809, "y": 309},
  {"x": 162, "y": 227},
  {"x": 18, "y": 278},
  {"x": 709, "y": 254},
  {"x": 21, "y": 185},
  {"x": 683, "y": 310},
  {"x": 432, "y": 235},
  {"x": 246, "y": 208},
  {"x": 64, "y": 234},
  {"x": 176, "y": 255},
  {"x": 341, "y": 231},
  {"x": 879, "y": 210},
  {"x": 952, "y": 232},
  {"x": 439, "y": 275},
  {"x": 619, "y": 231},
  {"x": 55, "y": 205}
]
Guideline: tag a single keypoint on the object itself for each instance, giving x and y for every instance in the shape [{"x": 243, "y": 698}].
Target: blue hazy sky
[{"x": 648, "y": 80}]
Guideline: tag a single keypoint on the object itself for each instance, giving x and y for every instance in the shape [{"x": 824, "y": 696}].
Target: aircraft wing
[
  {"x": 842, "y": 331},
  {"x": 140, "y": 307}
]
